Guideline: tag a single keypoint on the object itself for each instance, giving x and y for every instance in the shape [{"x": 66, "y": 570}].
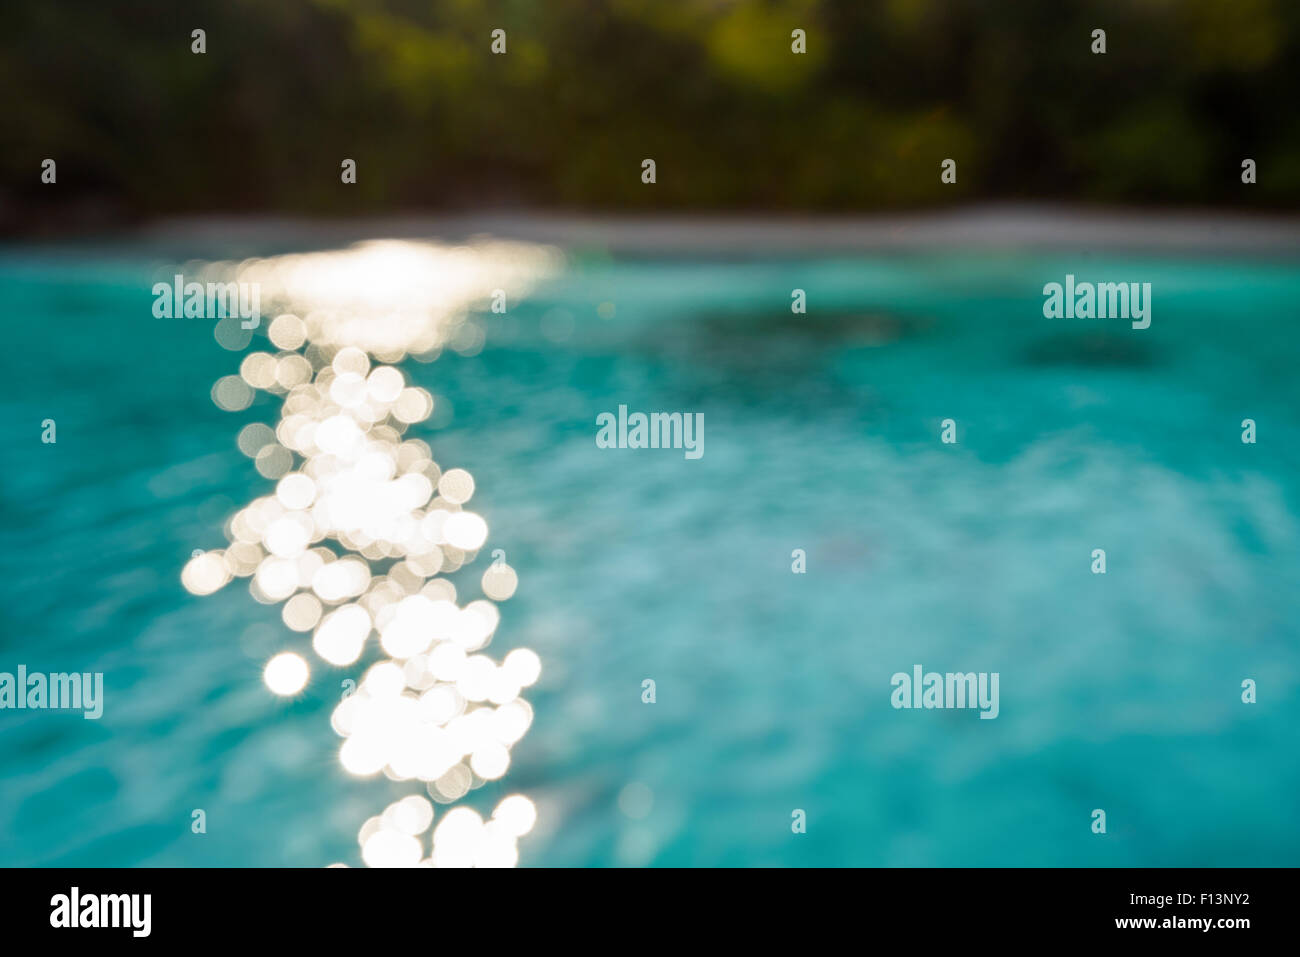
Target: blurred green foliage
[{"x": 708, "y": 88}]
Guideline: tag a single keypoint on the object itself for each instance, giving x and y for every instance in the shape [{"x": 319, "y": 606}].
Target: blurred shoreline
[{"x": 995, "y": 227}]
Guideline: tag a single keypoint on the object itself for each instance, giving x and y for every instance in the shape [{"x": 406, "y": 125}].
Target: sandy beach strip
[{"x": 969, "y": 228}]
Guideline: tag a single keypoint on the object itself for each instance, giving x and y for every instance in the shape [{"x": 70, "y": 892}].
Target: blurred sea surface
[{"x": 821, "y": 432}]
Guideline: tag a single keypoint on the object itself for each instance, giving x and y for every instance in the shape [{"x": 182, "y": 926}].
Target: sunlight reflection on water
[{"x": 364, "y": 522}]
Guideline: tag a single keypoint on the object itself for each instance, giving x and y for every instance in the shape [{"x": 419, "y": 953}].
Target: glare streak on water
[{"x": 362, "y": 525}]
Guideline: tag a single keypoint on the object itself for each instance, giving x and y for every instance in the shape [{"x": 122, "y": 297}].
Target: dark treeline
[{"x": 139, "y": 125}]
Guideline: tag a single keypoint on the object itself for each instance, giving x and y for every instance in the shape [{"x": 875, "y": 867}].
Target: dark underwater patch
[{"x": 1092, "y": 350}]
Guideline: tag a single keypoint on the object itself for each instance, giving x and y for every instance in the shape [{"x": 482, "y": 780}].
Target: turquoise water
[{"x": 1119, "y": 692}]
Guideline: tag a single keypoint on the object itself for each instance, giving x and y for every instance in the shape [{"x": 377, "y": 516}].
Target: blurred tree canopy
[{"x": 589, "y": 88}]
